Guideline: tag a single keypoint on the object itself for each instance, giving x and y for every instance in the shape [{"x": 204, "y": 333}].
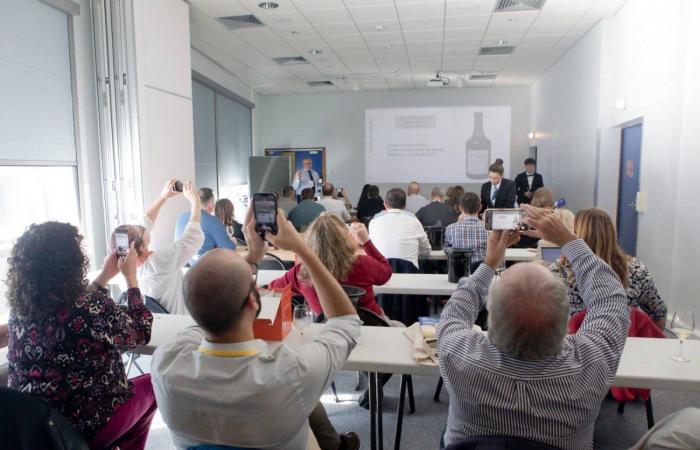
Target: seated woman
[
  {"x": 65, "y": 336},
  {"x": 543, "y": 198},
  {"x": 567, "y": 218},
  {"x": 223, "y": 210},
  {"x": 596, "y": 228},
  {"x": 341, "y": 250},
  {"x": 454, "y": 194}
]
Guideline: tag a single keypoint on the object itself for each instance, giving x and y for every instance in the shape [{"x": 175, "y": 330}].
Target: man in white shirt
[
  {"x": 306, "y": 178},
  {"x": 396, "y": 233},
  {"x": 333, "y": 205},
  {"x": 415, "y": 201},
  {"x": 217, "y": 384}
]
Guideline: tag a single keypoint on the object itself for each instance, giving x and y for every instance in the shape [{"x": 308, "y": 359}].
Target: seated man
[
  {"x": 469, "y": 232},
  {"x": 217, "y": 384},
  {"x": 414, "y": 201},
  {"x": 215, "y": 235},
  {"x": 333, "y": 205},
  {"x": 437, "y": 212},
  {"x": 396, "y": 233},
  {"x": 306, "y": 211},
  {"x": 288, "y": 200},
  {"x": 368, "y": 207},
  {"x": 527, "y": 379}
]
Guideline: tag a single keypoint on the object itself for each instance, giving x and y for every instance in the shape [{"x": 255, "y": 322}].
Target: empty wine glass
[
  {"x": 682, "y": 326},
  {"x": 302, "y": 318}
]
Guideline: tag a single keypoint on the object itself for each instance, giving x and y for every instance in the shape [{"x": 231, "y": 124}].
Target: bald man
[
  {"x": 527, "y": 379},
  {"x": 414, "y": 201},
  {"x": 217, "y": 384}
]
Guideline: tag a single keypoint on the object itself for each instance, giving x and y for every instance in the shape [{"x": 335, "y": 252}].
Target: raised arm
[
  {"x": 376, "y": 266},
  {"x": 166, "y": 193},
  {"x": 192, "y": 238}
]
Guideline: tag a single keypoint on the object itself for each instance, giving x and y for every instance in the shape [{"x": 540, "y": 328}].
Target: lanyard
[{"x": 228, "y": 353}]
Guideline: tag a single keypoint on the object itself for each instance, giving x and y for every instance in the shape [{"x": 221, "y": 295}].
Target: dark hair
[
  {"x": 455, "y": 196},
  {"x": 396, "y": 198},
  {"x": 135, "y": 233},
  {"x": 373, "y": 191},
  {"x": 365, "y": 189},
  {"x": 307, "y": 194},
  {"x": 223, "y": 210},
  {"x": 470, "y": 203},
  {"x": 498, "y": 161},
  {"x": 205, "y": 195},
  {"x": 288, "y": 191},
  {"x": 327, "y": 189},
  {"x": 496, "y": 168},
  {"x": 530, "y": 161},
  {"x": 47, "y": 270}
]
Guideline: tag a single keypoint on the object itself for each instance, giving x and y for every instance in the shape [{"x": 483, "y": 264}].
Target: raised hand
[
  {"x": 168, "y": 190},
  {"x": 496, "y": 246},
  {"x": 547, "y": 226},
  {"x": 359, "y": 232}
]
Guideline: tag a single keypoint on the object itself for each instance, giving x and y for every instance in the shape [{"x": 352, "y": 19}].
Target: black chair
[
  {"x": 271, "y": 262},
  {"x": 498, "y": 443},
  {"x": 354, "y": 293},
  {"x": 404, "y": 308},
  {"x": 436, "y": 235},
  {"x": 27, "y": 422}
]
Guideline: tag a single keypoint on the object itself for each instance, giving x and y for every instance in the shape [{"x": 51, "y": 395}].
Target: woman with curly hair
[{"x": 65, "y": 336}]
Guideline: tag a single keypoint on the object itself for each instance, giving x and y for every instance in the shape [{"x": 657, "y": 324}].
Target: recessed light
[
  {"x": 268, "y": 5},
  {"x": 315, "y": 52},
  {"x": 379, "y": 28},
  {"x": 294, "y": 32},
  {"x": 501, "y": 43},
  {"x": 531, "y": 135},
  {"x": 620, "y": 104}
]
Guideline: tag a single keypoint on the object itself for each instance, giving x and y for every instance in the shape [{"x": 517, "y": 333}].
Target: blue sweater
[{"x": 215, "y": 235}]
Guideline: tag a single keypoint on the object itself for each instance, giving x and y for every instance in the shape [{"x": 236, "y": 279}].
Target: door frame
[{"x": 620, "y": 142}]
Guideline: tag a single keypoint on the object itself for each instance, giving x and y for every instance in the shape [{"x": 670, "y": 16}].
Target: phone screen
[
  {"x": 122, "y": 242},
  {"x": 505, "y": 219},
  {"x": 265, "y": 208}
]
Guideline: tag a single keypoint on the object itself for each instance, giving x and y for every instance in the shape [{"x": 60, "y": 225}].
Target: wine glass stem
[{"x": 680, "y": 348}]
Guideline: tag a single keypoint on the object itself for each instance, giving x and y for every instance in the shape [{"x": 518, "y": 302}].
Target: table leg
[
  {"x": 380, "y": 398},
  {"x": 373, "y": 409},
  {"x": 399, "y": 413}
]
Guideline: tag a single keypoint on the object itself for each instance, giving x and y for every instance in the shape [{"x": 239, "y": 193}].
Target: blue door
[{"x": 628, "y": 188}]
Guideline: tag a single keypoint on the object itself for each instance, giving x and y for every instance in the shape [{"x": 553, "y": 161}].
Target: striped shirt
[
  {"x": 554, "y": 401},
  {"x": 469, "y": 233}
]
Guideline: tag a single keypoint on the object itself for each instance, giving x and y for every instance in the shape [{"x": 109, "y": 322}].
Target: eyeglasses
[{"x": 253, "y": 285}]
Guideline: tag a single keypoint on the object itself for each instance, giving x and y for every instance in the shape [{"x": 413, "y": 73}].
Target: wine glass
[
  {"x": 682, "y": 326},
  {"x": 302, "y": 318}
]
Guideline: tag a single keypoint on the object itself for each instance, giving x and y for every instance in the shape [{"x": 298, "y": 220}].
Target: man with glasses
[
  {"x": 217, "y": 384},
  {"x": 307, "y": 178}
]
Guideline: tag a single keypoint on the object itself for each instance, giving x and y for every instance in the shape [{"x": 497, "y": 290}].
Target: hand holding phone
[
  {"x": 265, "y": 212},
  {"x": 121, "y": 241},
  {"x": 504, "y": 219}
]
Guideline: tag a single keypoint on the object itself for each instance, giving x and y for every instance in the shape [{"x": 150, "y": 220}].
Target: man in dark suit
[
  {"x": 526, "y": 183},
  {"x": 437, "y": 212},
  {"x": 498, "y": 192}
]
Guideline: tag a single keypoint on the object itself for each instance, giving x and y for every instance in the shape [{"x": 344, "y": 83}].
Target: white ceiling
[{"x": 417, "y": 38}]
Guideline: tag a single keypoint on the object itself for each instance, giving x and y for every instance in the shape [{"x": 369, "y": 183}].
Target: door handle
[{"x": 632, "y": 205}]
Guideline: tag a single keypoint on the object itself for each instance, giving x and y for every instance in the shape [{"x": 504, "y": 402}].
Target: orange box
[{"x": 278, "y": 329}]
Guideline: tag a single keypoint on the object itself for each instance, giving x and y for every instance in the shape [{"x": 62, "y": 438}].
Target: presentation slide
[{"x": 435, "y": 145}]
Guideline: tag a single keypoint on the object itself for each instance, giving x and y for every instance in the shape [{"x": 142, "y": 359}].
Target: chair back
[
  {"x": 371, "y": 319},
  {"x": 436, "y": 235},
  {"x": 271, "y": 262},
  {"x": 354, "y": 293},
  {"x": 154, "y": 305},
  {"x": 498, "y": 443}
]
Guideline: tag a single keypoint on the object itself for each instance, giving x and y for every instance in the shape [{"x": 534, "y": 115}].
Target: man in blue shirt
[{"x": 215, "y": 235}]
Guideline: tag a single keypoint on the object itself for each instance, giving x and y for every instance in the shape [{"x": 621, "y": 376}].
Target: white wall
[
  {"x": 336, "y": 121},
  {"x": 162, "y": 41}
]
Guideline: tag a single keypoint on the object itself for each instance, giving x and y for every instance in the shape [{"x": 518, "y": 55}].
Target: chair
[
  {"x": 271, "y": 262},
  {"x": 436, "y": 234},
  {"x": 404, "y": 308},
  {"x": 498, "y": 443},
  {"x": 354, "y": 293},
  {"x": 369, "y": 318}
]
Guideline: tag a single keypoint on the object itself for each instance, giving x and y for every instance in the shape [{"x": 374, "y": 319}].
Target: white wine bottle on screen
[{"x": 478, "y": 150}]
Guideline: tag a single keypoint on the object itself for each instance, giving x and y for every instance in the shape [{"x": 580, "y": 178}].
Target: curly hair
[{"x": 47, "y": 270}]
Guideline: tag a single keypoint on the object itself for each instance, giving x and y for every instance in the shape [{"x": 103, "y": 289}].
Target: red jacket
[
  {"x": 367, "y": 271},
  {"x": 641, "y": 326}
]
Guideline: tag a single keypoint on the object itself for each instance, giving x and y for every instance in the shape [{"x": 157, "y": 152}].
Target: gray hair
[
  {"x": 437, "y": 192},
  {"x": 528, "y": 312}
]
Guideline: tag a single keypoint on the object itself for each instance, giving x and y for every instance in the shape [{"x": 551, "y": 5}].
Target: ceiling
[{"x": 389, "y": 44}]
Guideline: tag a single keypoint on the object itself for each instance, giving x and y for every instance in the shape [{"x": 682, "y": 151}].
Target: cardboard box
[{"x": 275, "y": 320}]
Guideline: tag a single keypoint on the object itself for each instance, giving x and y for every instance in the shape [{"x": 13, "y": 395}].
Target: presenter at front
[{"x": 307, "y": 178}]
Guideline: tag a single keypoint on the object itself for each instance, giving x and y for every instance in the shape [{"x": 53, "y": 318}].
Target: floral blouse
[
  {"x": 641, "y": 290},
  {"x": 72, "y": 358}
]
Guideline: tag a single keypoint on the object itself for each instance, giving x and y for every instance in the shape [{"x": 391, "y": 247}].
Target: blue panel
[{"x": 628, "y": 188}]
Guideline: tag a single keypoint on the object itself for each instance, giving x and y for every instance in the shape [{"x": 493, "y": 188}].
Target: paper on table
[{"x": 270, "y": 303}]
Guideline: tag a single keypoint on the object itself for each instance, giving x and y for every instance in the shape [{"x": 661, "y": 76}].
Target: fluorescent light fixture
[
  {"x": 268, "y": 5},
  {"x": 315, "y": 52},
  {"x": 531, "y": 135}
]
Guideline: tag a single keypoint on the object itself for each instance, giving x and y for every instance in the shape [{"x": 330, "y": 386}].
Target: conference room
[{"x": 343, "y": 224}]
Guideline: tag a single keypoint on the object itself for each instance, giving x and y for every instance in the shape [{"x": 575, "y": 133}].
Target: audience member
[
  {"x": 348, "y": 254},
  {"x": 498, "y": 161},
  {"x": 498, "y": 192},
  {"x": 398, "y": 234},
  {"x": 437, "y": 212},
  {"x": 415, "y": 201},
  {"x": 160, "y": 274},
  {"x": 364, "y": 193},
  {"x": 677, "y": 431},
  {"x": 527, "y": 378},
  {"x": 543, "y": 198},
  {"x": 305, "y": 212},
  {"x": 223, "y": 210},
  {"x": 333, "y": 205},
  {"x": 306, "y": 179},
  {"x": 215, "y": 235},
  {"x": 454, "y": 195},
  {"x": 567, "y": 218},
  {"x": 596, "y": 228},
  {"x": 217, "y": 384},
  {"x": 66, "y": 336},
  {"x": 287, "y": 201},
  {"x": 526, "y": 183},
  {"x": 370, "y": 206},
  {"x": 469, "y": 231}
]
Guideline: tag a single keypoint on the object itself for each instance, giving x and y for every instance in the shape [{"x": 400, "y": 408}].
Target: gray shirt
[{"x": 305, "y": 213}]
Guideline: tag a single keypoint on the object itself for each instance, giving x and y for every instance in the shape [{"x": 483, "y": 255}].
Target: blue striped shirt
[
  {"x": 469, "y": 233},
  {"x": 554, "y": 401}
]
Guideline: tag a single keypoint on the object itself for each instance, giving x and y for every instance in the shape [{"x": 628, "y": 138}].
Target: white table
[{"x": 512, "y": 254}]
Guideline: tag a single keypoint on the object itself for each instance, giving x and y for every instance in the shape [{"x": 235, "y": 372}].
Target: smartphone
[
  {"x": 177, "y": 187},
  {"x": 504, "y": 219},
  {"x": 121, "y": 240},
  {"x": 265, "y": 212}
]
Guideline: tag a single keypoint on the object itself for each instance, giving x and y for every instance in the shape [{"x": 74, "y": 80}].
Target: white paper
[{"x": 269, "y": 305}]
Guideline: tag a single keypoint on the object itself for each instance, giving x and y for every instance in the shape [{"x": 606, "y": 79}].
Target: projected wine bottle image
[{"x": 478, "y": 150}]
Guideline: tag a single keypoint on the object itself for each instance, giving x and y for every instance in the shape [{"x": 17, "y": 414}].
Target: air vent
[
  {"x": 518, "y": 5},
  {"x": 485, "y": 76},
  {"x": 505, "y": 50},
  {"x": 290, "y": 60},
  {"x": 319, "y": 83},
  {"x": 240, "y": 22}
]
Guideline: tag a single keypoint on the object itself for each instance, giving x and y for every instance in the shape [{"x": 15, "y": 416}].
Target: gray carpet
[{"x": 422, "y": 430}]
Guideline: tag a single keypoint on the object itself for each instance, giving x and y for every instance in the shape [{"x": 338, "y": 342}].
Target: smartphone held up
[
  {"x": 505, "y": 219},
  {"x": 121, "y": 240},
  {"x": 265, "y": 213}
]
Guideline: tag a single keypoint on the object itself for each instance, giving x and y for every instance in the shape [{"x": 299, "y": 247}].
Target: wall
[
  {"x": 337, "y": 122},
  {"x": 163, "y": 71},
  {"x": 565, "y": 121}
]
